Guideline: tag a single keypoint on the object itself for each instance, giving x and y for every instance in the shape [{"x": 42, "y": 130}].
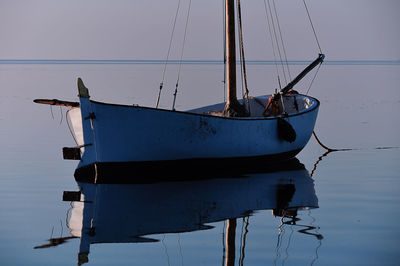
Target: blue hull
[{"x": 137, "y": 138}]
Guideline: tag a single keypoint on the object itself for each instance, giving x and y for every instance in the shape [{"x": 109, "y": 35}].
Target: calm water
[{"x": 347, "y": 213}]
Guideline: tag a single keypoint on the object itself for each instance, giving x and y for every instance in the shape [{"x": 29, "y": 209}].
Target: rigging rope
[
  {"x": 240, "y": 42},
  {"x": 276, "y": 40},
  {"x": 319, "y": 46},
  {"x": 242, "y": 59},
  {"x": 51, "y": 111},
  {"x": 312, "y": 26},
  {"x": 315, "y": 75},
  {"x": 314, "y": 134},
  {"x": 69, "y": 127},
  {"x": 280, "y": 34},
  {"x": 224, "y": 46},
  {"x": 61, "y": 119},
  {"x": 180, "y": 61},
  {"x": 169, "y": 50},
  {"x": 272, "y": 41}
]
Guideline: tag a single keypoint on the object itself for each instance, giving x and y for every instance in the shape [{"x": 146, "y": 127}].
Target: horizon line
[{"x": 185, "y": 62}]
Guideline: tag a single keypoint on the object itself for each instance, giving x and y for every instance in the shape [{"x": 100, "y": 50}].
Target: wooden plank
[{"x": 56, "y": 102}]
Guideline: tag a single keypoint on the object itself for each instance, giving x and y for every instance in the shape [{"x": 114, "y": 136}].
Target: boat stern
[{"x": 89, "y": 149}]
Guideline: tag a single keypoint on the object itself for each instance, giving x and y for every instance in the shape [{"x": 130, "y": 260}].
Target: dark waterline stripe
[{"x": 187, "y": 62}]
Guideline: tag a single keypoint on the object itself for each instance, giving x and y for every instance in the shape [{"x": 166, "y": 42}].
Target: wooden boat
[
  {"x": 144, "y": 137},
  {"x": 115, "y": 138}
]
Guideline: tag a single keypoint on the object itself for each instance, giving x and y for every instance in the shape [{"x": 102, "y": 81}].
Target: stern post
[{"x": 89, "y": 156}]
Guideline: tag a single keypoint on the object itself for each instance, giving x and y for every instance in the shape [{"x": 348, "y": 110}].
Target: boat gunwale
[{"x": 312, "y": 108}]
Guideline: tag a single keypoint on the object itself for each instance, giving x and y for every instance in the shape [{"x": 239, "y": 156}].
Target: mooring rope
[
  {"x": 328, "y": 151},
  {"x": 327, "y": 148},
  {"x": 317, "y": 162}
]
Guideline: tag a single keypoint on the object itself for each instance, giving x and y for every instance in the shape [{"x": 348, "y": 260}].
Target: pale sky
[{"x": 140, "y": 29}]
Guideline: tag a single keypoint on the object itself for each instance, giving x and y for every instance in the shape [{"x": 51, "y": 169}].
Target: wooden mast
[
  {"x": 232, "y": 107},
  {"x": 230, "y": 50}
]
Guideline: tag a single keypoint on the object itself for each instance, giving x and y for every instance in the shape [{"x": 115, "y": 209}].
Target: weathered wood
[
  {"x": 56, "y": 102},
  {"x": 230, "y": 50},
  {"x": 303, "y": 73},
  {"x": 233, "y": 108},
  {"x": 83, "y": 91}
]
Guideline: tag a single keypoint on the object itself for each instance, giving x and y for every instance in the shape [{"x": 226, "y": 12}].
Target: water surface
[{"x": 346, "y": 212}]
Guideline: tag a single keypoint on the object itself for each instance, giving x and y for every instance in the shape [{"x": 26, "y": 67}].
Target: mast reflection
[{"x": 131, "y": 213}]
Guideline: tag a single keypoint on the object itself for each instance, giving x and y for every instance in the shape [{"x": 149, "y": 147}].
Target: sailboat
[{"x": 114, "y": 138}]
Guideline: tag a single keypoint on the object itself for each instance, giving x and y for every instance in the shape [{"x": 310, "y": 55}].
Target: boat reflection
[{"x": 131, "y": 213}]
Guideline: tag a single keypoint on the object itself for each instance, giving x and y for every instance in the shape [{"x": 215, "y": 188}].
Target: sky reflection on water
[
  {"x": 357, "y": 190},
  {"x": 135, "y": 213}
]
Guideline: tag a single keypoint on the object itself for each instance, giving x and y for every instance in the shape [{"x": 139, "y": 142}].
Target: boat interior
[{"x": 292, "y": 104}]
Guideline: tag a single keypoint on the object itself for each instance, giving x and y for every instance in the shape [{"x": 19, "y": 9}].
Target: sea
[{"x": 336, "y": 208}]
